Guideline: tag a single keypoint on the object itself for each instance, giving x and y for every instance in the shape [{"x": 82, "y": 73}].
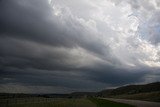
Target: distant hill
[
  {"x": 150, "y": 92},
  {"x": 131, "y": 89},
  {"x": 17, "y": 95},
  {"x": 83, "y": 94}
]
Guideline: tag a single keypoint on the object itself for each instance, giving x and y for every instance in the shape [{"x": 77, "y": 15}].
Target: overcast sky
[{"x": 61, "y": 46}]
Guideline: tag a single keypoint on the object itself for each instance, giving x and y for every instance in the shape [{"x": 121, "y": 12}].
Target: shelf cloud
[{"x": 61, "y": 46}]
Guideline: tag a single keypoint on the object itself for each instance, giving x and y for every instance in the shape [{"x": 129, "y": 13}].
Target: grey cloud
[
  {"x": 150, "y": 29},
  {"x": 35, "y": 22},
  {"x": 27, "y": 20},
  {"x": 136, "y": 4},
  {"x": 40, "y": 49}
]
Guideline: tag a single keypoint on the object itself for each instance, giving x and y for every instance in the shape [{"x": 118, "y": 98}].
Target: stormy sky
[{"x": 62, "y": 46}]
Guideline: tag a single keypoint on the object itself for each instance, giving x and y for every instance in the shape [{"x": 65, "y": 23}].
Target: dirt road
[{"x": 136, "y": 103}]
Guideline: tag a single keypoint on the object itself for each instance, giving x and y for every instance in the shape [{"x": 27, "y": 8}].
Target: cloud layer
[{"x": 60, "y": 46}]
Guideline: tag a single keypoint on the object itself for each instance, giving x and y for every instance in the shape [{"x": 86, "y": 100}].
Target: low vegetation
[
  {"x": 58, "y": 102},
  {"x": 107, "y": 103},
  {"x": 131, "y": 89},
  {"x": 148, "y": 92},
  {"x": 62, "y": 102},
  {"x": 151, "y": 96}
]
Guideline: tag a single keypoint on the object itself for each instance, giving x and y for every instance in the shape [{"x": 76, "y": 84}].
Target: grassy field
[
  {"x": 152, "y": 96},
  {"x": 106, "y": 103},
  {"x": 77, "y": 102},
  {"x": 58, "y": 102}
]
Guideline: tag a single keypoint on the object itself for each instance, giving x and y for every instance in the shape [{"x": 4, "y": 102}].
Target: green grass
[
  {"x": 151, "y": 96},
  {"x": 107, "y": 103},
  {"x": 62, "y": 102},
  {"x": 57, "y": 103}
]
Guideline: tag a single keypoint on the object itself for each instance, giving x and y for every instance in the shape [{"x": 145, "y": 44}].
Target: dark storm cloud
[
  {"x": 28, "y": 31},
  {"x": 23, "y": 21},
  {"x": 34, "y": 21},
  {"x": 29, "y": 20},
  {"x": 38, "y": 48}
]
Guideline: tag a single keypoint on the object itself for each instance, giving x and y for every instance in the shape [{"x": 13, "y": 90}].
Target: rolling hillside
[
  {"x": 149, "y": 92},
  {"x": 132, "y": 89}
]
